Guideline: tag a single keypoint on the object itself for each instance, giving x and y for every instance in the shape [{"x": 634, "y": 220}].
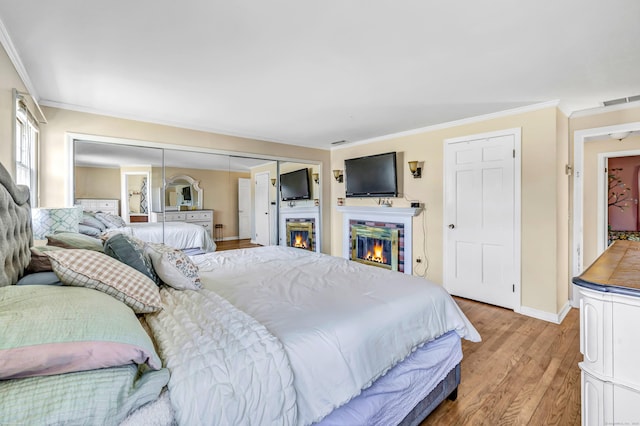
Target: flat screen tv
[
  {"x": 295, "y": 185},
  {"x": 371, "y": 176},
  {"x": 186, "y": 193}
]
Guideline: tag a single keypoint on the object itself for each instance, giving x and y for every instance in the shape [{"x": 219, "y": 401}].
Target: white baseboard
[{"x": 546, "y": 316}]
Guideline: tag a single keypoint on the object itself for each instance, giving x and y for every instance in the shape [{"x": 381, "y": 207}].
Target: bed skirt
[{"x": 447, "y": 388}]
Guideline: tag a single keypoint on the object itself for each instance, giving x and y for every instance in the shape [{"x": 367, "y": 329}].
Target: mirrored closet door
[{"x": 233, "y": 197}]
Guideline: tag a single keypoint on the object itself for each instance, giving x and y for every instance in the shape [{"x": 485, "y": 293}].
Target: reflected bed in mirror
[{"x": 100, "y": 224}]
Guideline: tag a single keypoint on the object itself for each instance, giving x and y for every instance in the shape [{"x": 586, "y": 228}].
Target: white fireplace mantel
[
  {"x": 402, "y": 215},
  {"x": 381, "y": 211}
]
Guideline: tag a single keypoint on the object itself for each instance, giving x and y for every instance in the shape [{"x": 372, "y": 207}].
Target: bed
[
  {"x": 271, "y": 335},
  {"x": 181, "y": 235}
]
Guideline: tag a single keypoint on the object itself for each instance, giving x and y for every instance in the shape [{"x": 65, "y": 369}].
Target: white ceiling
[{"x": 310, "y": 73}]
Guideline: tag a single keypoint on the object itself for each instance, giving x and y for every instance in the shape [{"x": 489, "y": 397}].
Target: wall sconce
[
  {"x": 415, "y": 170},
  {"x": 316, "y": 177},
  {"x": 273, "y": 181},
  {"x": 337, "y": 174}
]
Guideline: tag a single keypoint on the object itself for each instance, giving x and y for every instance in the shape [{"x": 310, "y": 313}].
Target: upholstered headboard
[{"x": 16, "y": 235}]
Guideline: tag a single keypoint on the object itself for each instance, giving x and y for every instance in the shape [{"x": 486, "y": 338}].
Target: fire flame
[
  {"x": 378, "y": 253},
  {"x": 299, "y": 243}
]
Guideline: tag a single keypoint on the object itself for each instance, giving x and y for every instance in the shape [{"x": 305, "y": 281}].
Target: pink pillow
[{"x": 57, "y": 329}]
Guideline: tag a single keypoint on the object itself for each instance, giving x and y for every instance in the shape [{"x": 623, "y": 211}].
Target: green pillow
[
  {"x": 74, "y": 240},
  {"x": 130, "y": 251}
]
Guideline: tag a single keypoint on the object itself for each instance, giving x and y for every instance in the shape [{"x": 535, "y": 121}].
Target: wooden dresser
[
  {"x": 609, "y": 292},
  {"x": 203, "y": 218}
]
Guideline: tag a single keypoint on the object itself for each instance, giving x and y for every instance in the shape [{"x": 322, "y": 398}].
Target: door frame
[
  {"x": 516, "y": 132},
  {"x": 124, "y": 193},
  {"x": 580, "y": 137}
]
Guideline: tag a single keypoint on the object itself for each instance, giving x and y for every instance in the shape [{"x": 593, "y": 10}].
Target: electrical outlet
[{"x": 418, "y": 260}]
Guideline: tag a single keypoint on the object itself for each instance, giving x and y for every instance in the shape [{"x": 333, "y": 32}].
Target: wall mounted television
[
  {"x": 371, "y": 176},
  {"x": 295, "y": 185}
]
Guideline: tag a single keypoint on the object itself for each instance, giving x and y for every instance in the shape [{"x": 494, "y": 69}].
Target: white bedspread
[
  {"x": 226, "y": 368},
  {"x": 181, "y": 235},
  {"x": 342, "y": 324}
]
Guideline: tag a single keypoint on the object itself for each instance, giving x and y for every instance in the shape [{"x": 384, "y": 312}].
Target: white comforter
[
  {"x": 342, "y": 324},
  {"x": 181, "y": 235},
  {"x": 226, "y": 368}
]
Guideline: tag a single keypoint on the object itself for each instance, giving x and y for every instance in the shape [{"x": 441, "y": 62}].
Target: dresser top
[
  {"x": 617, "y": 270},
  {"x": 184, "y": 211}
]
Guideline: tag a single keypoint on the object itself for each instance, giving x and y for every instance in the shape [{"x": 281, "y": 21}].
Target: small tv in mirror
[
  {"x": 295, "y": 185},
  {"x": 186, "y": 193},
  {"x": 371, "y": 176}
]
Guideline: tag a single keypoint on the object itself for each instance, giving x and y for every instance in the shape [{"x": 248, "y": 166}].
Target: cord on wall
[{"x": 424, "y": 263}]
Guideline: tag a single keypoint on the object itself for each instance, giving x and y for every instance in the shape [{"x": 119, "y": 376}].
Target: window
[{"x": 27, "y": 139}]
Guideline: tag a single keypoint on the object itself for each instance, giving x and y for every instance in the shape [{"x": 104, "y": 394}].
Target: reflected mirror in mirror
[{"x": 183, "y": 193}]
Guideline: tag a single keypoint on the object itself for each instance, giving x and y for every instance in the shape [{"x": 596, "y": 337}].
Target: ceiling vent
[
  {"x": 338, "y": 142},
  {"x": 621, "y": 100}
]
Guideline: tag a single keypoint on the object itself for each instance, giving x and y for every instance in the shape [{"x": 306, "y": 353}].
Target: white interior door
[
  {"x": 244, "y": 208},
  {"x": 479, "y": 219},
  {"x": 261, "y": 210}
]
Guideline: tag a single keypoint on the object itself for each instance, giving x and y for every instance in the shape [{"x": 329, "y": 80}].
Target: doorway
[
  {"x": 618, "y": 197},
  {"x": 136, "y": 186},
  {"x": 481, "y": 218},
  {"x": 589, "y": 217}
]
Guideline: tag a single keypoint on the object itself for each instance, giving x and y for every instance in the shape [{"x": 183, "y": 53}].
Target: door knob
[{"x": 451, "y": 226}]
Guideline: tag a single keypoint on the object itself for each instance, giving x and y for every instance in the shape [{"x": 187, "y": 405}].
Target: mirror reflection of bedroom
[
  {"x": 622, "y": 198},
  {"x": 166, "y": 195}
]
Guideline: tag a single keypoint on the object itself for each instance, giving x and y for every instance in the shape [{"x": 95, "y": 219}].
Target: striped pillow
[{"x": 92, "y": 269}]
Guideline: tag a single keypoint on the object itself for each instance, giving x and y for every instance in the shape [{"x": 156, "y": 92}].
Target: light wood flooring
[
  {"x": 235, "y": 244},
  {"x": 524, "y": 372}
]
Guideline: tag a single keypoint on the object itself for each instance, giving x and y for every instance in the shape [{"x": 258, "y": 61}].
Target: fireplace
[
  {"x": 301, "y": 233},
  {"x": 392, "y": 218},
  {"x": 375, "y": 245}
]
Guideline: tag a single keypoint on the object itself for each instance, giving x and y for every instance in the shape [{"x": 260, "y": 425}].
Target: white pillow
[{"x": 173, "y": 267}]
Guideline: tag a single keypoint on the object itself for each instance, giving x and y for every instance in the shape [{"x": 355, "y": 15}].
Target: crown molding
[
  {"x": 14, "y": 57},
  {"x": 455, "y": 123},
  {"x": 605, "y": 109}
]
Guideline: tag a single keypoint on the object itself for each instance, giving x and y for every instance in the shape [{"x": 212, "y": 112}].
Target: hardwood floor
[
  {"x": 524, "y": 372},
  {"x": 235, "y": 244}
]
